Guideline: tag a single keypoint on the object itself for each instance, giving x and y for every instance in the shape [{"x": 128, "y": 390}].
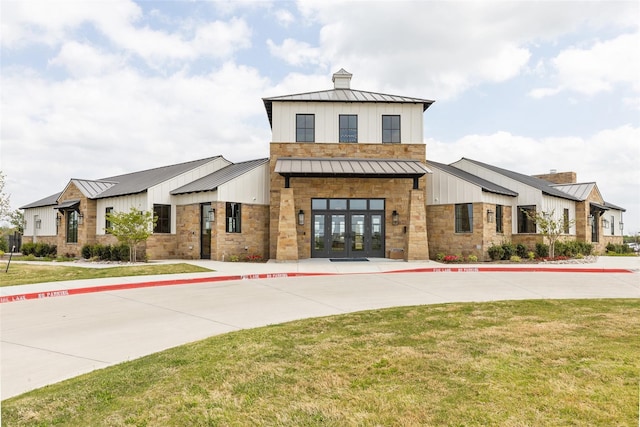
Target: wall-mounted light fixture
[
  {"x": 80, "y": 218},
  {"x": 301, "y": 217},
  {"x": 58, "y": 220},
  {"x": 591, "y": 219},
  {"x": 212, "y": 215},
  {"x": 605, "y": 223},
  {"x": 490, "y": 216},
  {"x": 621, "y": 226},
  {"x": 395, "y": 218}
]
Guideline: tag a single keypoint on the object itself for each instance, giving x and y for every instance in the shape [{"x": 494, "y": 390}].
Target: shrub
[
  {"x": 28, "y": 249},
  {"x": 542, "y": 250},
  {"x": 4, "y": 244},
  {"x": 440, "y": 256},
  {"x": 234, "y": 258},
  {"x": 521, "y": 250},
  {"x": 39, "y": 250},
  {"x": 496, "y": 252},
  {"x": 451, "y": 258},
  {"x": 509, "y": 250},
  {"x": 253, "y": 258},
  {"x": 515, "y": 258},
  {"x": 472, "y": 258},
  {"x": 619, "y": 249},
  {"x": 531, "y": 255}
]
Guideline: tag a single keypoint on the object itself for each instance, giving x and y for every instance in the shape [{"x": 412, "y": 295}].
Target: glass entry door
[
  {"x": 349, "y": 233},
  {"x": 206, "y": 217}
]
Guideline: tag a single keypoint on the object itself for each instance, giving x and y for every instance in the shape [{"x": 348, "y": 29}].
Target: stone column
[
  {"x": 417, "y": 245},
  {"x": 287, "y": 245}
]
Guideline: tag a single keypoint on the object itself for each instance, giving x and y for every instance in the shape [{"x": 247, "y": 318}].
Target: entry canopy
[
  {"x": 67, "y": 204},
  {"x": 367, "y": 168}
]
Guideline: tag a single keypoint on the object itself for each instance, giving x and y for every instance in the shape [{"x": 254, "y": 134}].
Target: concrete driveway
[{"x": 62, "y": 335}]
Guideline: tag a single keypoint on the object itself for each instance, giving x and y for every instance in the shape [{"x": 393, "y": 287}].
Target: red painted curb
[{"x": 125, "y": 286}]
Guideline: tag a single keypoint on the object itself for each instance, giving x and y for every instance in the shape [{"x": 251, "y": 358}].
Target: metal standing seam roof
[
  {"x": 544, "y": 186},
  {"x": 219, "y": 177},
  {"x": 293, "y": 166},
  {"x": 581, "y": 190},
  {"x": 138, "y": 182},
  {"x": 485, "y": 185},
  {"x": 47, "y": 201},
  {"x": 344, "y": 95},
  {"x": 90, "y": 188}
]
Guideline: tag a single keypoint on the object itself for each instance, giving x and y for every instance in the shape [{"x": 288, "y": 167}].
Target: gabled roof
[
  {"x": 47, "y": 201},
  {"x": 137, "y": 182},
  {"x": 579, "y": 190},
  {"x": 544, "y": 186},
  {"x": 485, "y": 185},
  {"x": 214, "y": 180},
  {"x": 344, "y": 95},
  {"x": 612, "y": 206},
  {"x": 91, "y": 189}
]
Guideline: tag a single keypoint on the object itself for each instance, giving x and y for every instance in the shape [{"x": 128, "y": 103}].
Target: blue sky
[{"x": 98, "y": 88}]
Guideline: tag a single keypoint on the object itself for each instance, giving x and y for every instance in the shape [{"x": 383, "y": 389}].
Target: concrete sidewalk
[{"x": 312, "y": 266}]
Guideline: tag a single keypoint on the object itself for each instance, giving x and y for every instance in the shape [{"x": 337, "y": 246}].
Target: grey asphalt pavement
[{"x": 62, "y": 335}]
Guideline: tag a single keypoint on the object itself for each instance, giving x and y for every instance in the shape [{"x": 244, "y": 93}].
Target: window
[
  {"x": 464, "y": 218},
  {"x": 233, "y": 217},
  {"x": 565, "y": 221},
  {"x": 526, "y": 219},
  {"x": 107, "y": 223},
  {"x": 348, "y": 128},
  {"x": 305, "y": 127},
  {"x": 72, "y": 226},
  {"x": 391, "y": 129},
  {"x": 499, "y": 220},
  {"x": 163, "y": 213},
  {"x": 612, "y": 225}
]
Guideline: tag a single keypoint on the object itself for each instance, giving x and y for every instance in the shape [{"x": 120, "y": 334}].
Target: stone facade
[
  {"x": 253, "y": 239},
  {"x": 444, "y": 240},
  {"x": 559, "y": 177},
  {"x": 397, "y": 193}
]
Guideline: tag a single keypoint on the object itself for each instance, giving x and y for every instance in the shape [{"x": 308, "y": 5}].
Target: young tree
[
  {"x": 4, "y": 199},
  {"x": 550, "y": 227},
  {"x": 16, "y": 219},
  {"x": 131, "y": 228}
]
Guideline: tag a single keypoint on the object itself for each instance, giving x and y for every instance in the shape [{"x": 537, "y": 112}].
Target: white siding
[
  {"x": 445, "y": 189},
  {"x": 527, "y": 195},
  {"x": 252, "y": 187},
  {"x": 191, "y": 198},
  {"x": 617, "y": 219},
  {"x": 327, "y": 126},
  {"x": 119, "y": 204},
  {"x": 47, "y": 217}
]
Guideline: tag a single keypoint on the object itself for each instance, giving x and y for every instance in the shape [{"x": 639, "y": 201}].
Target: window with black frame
[
  {"x": 499, "y": 219},
  {"x": 163, "y": 215},
  {"x": 348, "y": 128},
  {"x": 107, "y": 223},
  {"x": 391, "y": 129},
  {"x": 233, "y": 217},
  {"x": 464, "y": 218},
  {"x": 526, "y": 219},
  {"x": 305, "y": 127}
]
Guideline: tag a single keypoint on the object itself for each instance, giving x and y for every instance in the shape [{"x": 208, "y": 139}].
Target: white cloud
[
  {"x": 82, "y": 60},
  {"x": 284, "y": 17},
  {"x": 294, "y": 52},
  {"x": 597, "y": 68}
]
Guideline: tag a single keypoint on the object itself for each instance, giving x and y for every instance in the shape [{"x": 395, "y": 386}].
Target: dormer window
[
  {"x": 390, "y": 129},
  {"x": 348, "y": 128},
  {"x": 305, "y": 127}
]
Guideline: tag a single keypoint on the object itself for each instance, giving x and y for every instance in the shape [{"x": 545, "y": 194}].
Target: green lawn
[
  {"x": 526, "y": 363},
  {"x": 25, "y": 273}
]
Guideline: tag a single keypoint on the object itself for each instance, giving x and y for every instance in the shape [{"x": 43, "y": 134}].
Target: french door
[{"x": 348, "y": 233}]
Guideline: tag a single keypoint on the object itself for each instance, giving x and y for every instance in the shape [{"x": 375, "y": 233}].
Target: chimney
[
  {"x": 556, "y": 177},
  {"x": 342, "y": 79}
]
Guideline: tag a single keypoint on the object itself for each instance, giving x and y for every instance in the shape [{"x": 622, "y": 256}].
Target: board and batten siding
[
  {"x": 251, "y": 187},
  {"x": 47, "y": 217},
  {"x": 327, "y": 120},
  {"x": 556, "y": 205},
  {"x": 119, "y": 204}
]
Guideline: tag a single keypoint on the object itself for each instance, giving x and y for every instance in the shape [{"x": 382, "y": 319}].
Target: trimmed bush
[
  {"x": 521, "y": 250},
  {"x": 496, "y": 253},
  {"x": 542, "y": 250}
]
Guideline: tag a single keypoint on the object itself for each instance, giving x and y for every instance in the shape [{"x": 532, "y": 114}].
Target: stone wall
[
  {"x": 396, "y": 191},
  {"x": 253, "y": 240},
  {"x": 86, "y": 230},
  {"x": 444, "y": 240},
  {"x": 188, "y": 231}
]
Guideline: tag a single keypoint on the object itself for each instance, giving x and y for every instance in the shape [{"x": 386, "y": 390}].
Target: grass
[
  {"x": 24, "y": 273},
  {"x": 526, "y": 363}
]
